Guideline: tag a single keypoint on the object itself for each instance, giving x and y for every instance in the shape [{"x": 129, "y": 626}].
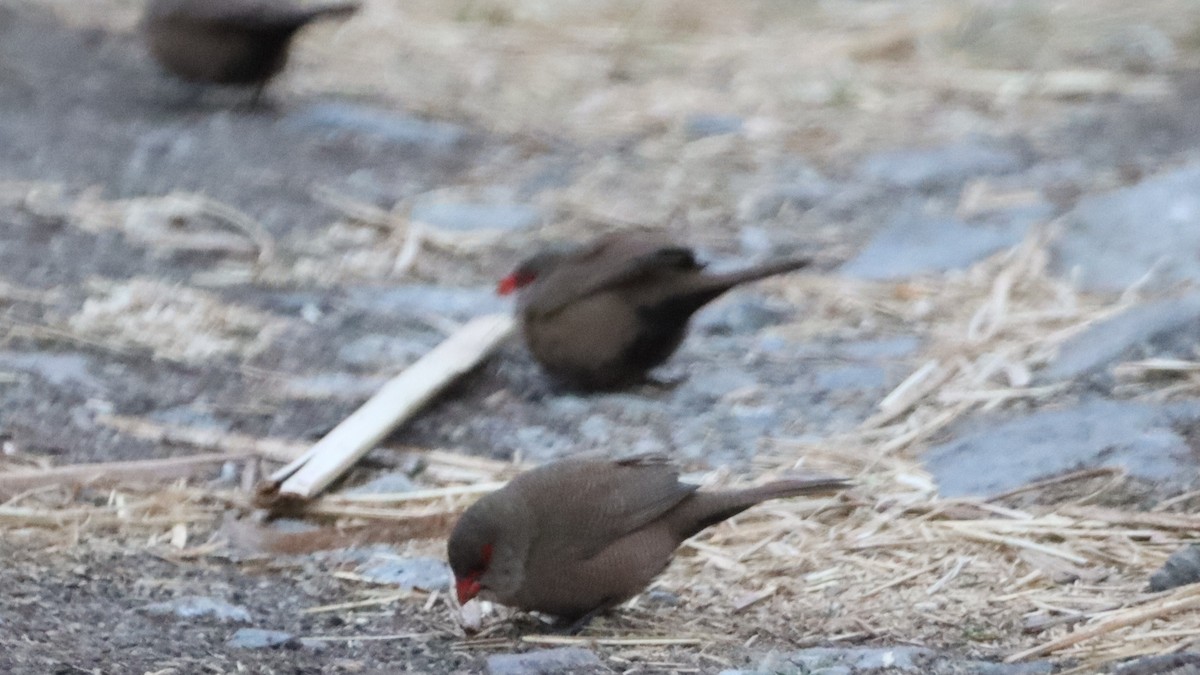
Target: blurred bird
[
  {"x": 236, "y": 42},
  {"x": 579, "y": 536},
  {"x": 601, "y": 315}
]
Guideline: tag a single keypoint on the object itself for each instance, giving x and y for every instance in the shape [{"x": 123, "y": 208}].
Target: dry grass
[{"x": 888, "y": 561}]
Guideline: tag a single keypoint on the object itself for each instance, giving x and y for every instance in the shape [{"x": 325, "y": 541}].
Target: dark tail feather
[
  {"x": 704, "y": 509},
  {"x": 763, "y": 271},
  {"x": 707, "y": 287},
  {"x": 330, "y": 10}
]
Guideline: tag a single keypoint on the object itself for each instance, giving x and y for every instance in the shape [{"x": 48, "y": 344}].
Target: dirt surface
[{"x": 280, "y": 319}]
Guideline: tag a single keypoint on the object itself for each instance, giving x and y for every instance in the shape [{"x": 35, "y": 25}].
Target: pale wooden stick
[
  {"x": 114, "y": 472},
  {"x": 397, "y": 401}
]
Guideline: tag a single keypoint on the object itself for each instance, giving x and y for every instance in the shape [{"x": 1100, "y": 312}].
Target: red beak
[
  {"x": 507, "y": 285},
  {"x": 467, "y": 589}
]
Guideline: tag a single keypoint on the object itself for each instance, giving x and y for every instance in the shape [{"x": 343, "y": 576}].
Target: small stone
[
  {"x": 426, "y": 574},
  {"x": 700, "y": 126},
  {"x": 258, "y": 638},
  {"x": 1183, "y": 567},
  {"x": 196, "y": 606},
  {"x": 386, "y": 484},
  {"x": 545, "y": 662},
  {"x": 402, "y": 129},
  {"x": 660, "y": 598}
]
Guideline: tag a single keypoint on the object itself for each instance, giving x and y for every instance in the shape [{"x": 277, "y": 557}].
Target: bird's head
[
  {"x": 487, "y": 547},
  {"x": 536, "y": 266}
]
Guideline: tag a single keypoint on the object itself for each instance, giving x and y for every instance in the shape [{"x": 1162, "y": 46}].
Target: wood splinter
[{"x": 397, "y": 401}]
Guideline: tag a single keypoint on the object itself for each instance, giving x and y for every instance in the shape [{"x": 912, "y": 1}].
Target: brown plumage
[
  {"x": 238, "y": 42},
  {"x": 578, "y": 536},
  {"x": 602, "y": 315}
]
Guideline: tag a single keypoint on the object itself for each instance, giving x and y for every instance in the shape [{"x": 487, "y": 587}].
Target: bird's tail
[
  {"x": 705, "y": 509},
  {"x": 329, "y": 10},
  {"x": 763, "y": 271}
]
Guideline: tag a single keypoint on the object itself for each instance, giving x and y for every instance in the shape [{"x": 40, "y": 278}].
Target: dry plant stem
[
  {"x": 1188, "y": 598},
  {"x": 396, "y": 402},
  {"x": 277, "y": 449},
  {"x": 109, "y": 473}
]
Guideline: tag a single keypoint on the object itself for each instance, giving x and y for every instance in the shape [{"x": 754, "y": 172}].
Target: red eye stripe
[{"x": 487, "y": 555}]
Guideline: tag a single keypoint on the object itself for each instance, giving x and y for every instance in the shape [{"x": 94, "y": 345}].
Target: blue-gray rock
[
  {"x": 258, "y": 638},
  {"x": 199, "y": 607},
  {"x": 1183, "y": 567},
  {"x": 1112, "y": 240},
  {"x": 465, "y": 217},
  {"x": 700, "y": 126},
  {"x": 1143, "y": 439},
  {"x": 915, "y": 244},
  {"x": 1158, "y": 327},
  {"x": 419, "y": 300},
  {"x": 384, "y": 124},
  {"x": 426, "y": 574},
  {"x": 545, "y": 662},
  {"x": 942, "y": 167}
]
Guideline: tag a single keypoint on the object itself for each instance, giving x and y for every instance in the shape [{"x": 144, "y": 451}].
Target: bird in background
[
  {"x": 231, "y": 42},
  {"x": 578, "y": 536},
  {"x": 601, "y": 315}
]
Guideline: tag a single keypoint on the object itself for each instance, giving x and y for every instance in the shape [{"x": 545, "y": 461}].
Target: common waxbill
[
  {"x": 578, "y": 536},
  {"x": 237, "y": 42},
  {"x": 603, "y": 314}
]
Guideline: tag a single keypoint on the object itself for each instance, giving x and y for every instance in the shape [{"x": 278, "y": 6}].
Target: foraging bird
[
  {"x": 239, "y": 42},
  {"x": 602, "y": 315},
  {"x": 578, "y": 536}
]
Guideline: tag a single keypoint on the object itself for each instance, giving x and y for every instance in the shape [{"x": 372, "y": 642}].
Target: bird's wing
[
  {"x": 611, "y": 262},
  {"x": 599, "y": 501}
]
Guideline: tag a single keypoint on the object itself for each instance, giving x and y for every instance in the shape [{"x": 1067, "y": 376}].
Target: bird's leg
[
  {"x": 257, "y": 97},
  {"x": 579, "y": 624}
]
